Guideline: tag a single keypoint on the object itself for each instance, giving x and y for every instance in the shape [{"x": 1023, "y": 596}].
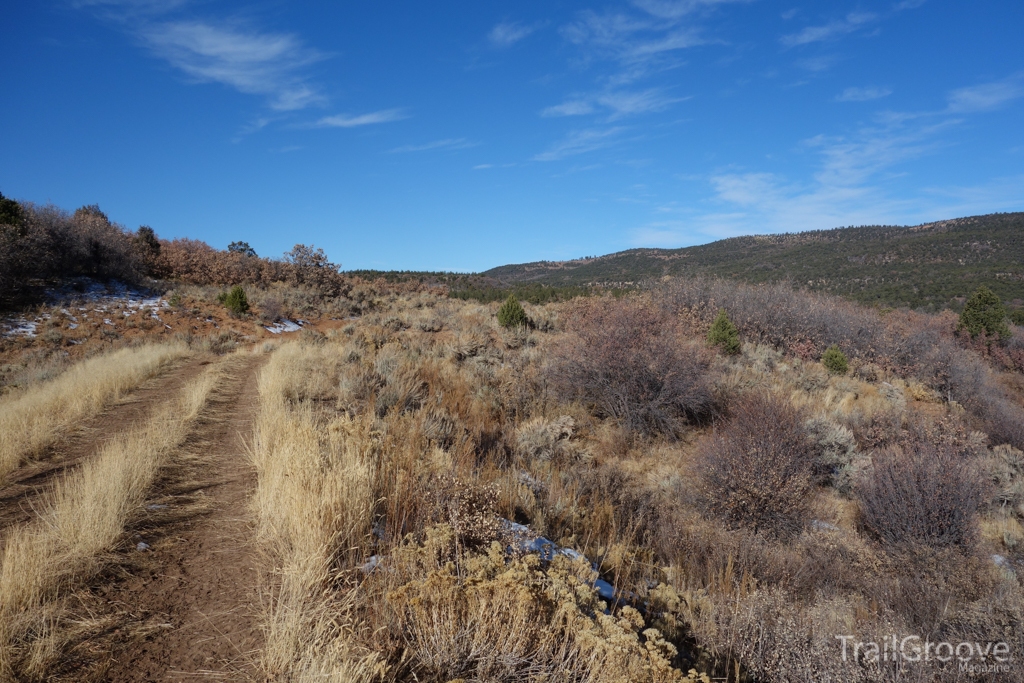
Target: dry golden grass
[
  {"x": 32, "y": 420},
  {"x": 82, "y": 519},
  {"x": 312, "y": 504}
]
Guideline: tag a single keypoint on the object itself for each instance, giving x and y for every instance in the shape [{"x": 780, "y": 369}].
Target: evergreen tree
[
  {"x": 835, "y": 361},
  {"x": 984, "y": 312},
  {"x": 724, "y": 334},
  {"x": 511, "y": 313},
  {"x": 235, "y": 301},
  {"x": 11, "y": 212}
]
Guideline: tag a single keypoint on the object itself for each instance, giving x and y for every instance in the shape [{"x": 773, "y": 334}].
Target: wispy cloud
[
  {"x": 617, "y": 103},
  {"x": 862, "y": 94},
  {"x": 833, "y": 29},
  {"x": 631, "y": 39},
  {"x": 447, "y": 143},
  {"x": 580, "y": 142},
  {"x": 508, "y": 33},
  {"x": 852, "y": 183},
  {"x": 248, "y": 60},
  {"x": 569, "y": 108},
  {"x": 625, "y": 103},
  {"x": 676, "y": 9},
  {"x": 352, "y": 121},
  {"x": 986, "y": 96}
]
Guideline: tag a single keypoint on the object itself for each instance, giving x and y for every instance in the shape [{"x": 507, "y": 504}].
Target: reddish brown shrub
[
  {"x": 624, "y": 360},
  {"x": 758, "y": 469},
  {"x": 922, "y": 495}
]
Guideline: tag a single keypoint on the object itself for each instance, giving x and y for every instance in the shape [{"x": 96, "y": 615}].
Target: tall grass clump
[{"x": 34, "y": 419}]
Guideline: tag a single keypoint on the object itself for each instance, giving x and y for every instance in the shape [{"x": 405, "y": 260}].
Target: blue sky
[{"x": 461, "y": 136}]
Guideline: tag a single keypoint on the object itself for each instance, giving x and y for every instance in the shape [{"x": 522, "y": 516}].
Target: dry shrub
[
  {"x": 547, "y": 440},
  {"x": 494, "y": 619},
  {"x": 758, "y": 469},
  {"x": 624, "y": 360},
  {"x": 924, "y": 494}
]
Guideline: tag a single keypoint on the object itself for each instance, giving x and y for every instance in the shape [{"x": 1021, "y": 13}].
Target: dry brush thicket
[{"x": 747, "y": 508}]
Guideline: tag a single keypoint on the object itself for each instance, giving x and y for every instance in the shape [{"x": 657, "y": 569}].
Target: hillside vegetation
[
  {"x": 927, "y": 266},
  {"x": 701, "y": 478}
]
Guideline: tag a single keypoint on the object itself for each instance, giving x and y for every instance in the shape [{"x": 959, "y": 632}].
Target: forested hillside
[{"x": 926, "y": 266}]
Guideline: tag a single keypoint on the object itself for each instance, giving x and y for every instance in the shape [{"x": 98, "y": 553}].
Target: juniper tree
[
  {"x": 835, "y": 361},
  {"x": 724, "y": 334},
  {"x": 984, "y": 313},
  {"x": 511, "y": 313}
]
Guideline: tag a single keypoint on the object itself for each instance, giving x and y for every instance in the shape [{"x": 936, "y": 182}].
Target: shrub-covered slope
[{"x": 924, "y": 266}]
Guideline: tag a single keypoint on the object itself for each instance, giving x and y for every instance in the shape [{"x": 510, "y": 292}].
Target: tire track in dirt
[
  {"x": 194, "y": 596},
  {"x": 25, "y": 488}
]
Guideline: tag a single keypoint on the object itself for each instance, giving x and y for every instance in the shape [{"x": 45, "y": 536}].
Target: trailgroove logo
[{"x": 971, "y": 657}]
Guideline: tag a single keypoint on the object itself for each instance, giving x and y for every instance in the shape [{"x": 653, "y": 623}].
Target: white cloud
[
  {"x": 570, "y": 108},
  {"x": 580, "y": 142},
  {"x": 862, "y": 94},
  {"x": 986, "y": 96},
  {"x": 618, "y": 103},
  {"x": 447, "y": 143},
  {"x": 852, "y": 185},
  {"x": 625, "y": 103},
  {"x": 630, "y": 39},
  {"x": 250, "y": 61},
  {"x": 674, "y": 9},
  {"x": 351, "y": 121},
  {"x": 812, "y": 34},
  {"x": 509, "y": 33}
]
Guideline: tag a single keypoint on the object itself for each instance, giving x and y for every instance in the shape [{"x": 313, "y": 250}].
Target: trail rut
[
  {"x": 24, "y": 488},
  {"x": 195, "y": 591}
]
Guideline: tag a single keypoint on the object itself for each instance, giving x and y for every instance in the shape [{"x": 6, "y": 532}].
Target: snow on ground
[
  {"x": 285, "y": 326},
  {"x": 97, "y": 296}
]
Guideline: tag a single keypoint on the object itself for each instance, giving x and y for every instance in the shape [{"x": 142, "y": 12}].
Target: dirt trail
[
  {"x": 195, "y": 591},
  {"x": 24, "y": 488}
]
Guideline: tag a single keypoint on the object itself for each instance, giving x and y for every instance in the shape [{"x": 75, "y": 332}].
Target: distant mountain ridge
[{"x": 923, "y": 266}]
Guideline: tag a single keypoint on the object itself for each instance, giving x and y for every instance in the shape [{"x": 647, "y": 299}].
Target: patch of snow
[
  {"x": 818, "y": 525},
  {"x": 140, "y": 546},
  {"x": 283, "y": 326},
  {"x": 21, "y": 328},
  {"x": 605, "y": 589},
  {"x": 106, "y": 321},
  {"x": 73, "y": 326},
  {"x": 371, "y": 564}
]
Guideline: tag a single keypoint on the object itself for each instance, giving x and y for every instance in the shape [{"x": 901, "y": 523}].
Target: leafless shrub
[
  {"x": 624, "y": 360},
  {"x": 758, "y": 469},
  {"x": 271, "y": 309},
  {"x": 926, "y": 494}
]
